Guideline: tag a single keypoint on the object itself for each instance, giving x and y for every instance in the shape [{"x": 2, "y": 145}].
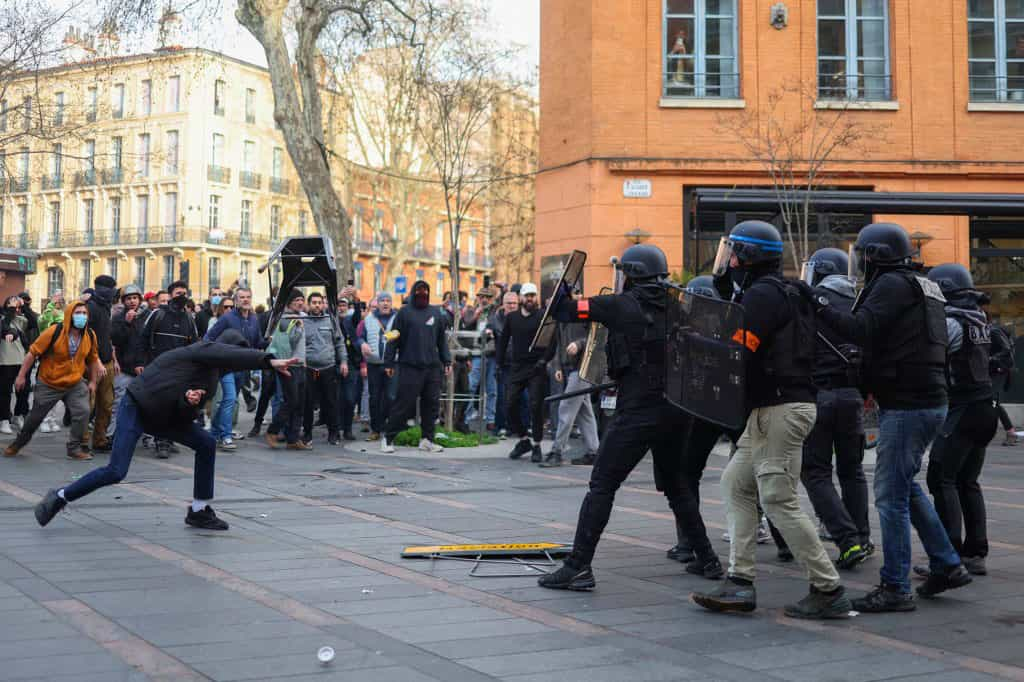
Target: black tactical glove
[{"x": 813, "y": 297}]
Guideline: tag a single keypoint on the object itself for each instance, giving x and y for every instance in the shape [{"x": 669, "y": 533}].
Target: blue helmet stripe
[{"x": 768, "y": 245}]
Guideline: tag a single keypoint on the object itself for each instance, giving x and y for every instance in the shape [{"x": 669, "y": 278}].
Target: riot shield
[
  {"x": 594, "y": 363},
  {"x": 705, "y": 372},
  {"x": 570, "y": 276}
]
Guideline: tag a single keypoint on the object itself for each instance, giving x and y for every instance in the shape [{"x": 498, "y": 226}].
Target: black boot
[
  {"x": 254, "y": 432},
  {"x": 950, "y": 579},
  {"x": 586, "y": 460},
  {"x": 707, "y": 567},
  {"x": 348, "y": 435},
  {"x": 537, "y": 455},
  {"x": 883, "y": 599},
  {"x": 818, "y": 605},
  {"x": 734, "y": 594},
  {"x": 48, "y": 507},
  {"x": 554, "y": 459},
  {"x": 568, "y": 577},
  {"x": 680, "y": 553},
  {"x": 521, "y": 448}
]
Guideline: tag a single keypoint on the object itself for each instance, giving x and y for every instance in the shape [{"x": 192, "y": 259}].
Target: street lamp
[
  {"x": 920, "y": 238},
  {"x": 637, "y": 235}
]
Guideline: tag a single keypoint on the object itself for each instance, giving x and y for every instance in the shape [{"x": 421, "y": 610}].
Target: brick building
[{"x": 635, "y": 95}]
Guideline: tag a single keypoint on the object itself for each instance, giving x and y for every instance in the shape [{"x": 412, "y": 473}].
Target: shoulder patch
[{"x": 930, "y": 288}]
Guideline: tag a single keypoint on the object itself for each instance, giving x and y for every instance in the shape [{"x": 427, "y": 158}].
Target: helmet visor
[
  {"x": 807, "y": 272},
  {"x": 722, "y": 258},
  {"x": 857, "y": 263}
]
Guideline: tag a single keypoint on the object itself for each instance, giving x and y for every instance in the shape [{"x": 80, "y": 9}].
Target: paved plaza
[{"x": 117, "y": 588}]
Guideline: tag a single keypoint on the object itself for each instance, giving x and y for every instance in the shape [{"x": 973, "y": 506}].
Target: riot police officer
[
  {"x": 778, "y": 336},
  {"x": 899, "y": 321},
  {"x": 958, "y": 453},
  {"x": 643, "y": 420},
  {"x": 839, "y": 426}
]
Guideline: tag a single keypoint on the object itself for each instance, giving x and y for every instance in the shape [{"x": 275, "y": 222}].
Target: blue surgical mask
[
  {"x": 80, "y": 320},
  {"x": 215, "y": 300}
]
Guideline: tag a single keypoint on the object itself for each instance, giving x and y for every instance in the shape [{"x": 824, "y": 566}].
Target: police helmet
[
  {"x": 704, "y": 285},
  {"x": 825, "y": 262},
  {"x": 643, "y": 261},
  {"x": 879, "y": 244},
  {"x": 951, "y": 278},
  {"x": 753, "y": 242},
  {"x": 130, "y": 290}
]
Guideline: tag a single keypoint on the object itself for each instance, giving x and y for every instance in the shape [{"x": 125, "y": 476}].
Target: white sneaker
[
  {"x": 430, "y": 446},
  {"x": 5, "y": 427},
  {"x": 385, "y": 446},
  {"x": 17, "y": 422},
  {"x": 45, "y": 427}
]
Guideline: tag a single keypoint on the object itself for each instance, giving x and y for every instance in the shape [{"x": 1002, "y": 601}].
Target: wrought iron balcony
[
  {"x": 53, "y": 181},
  {"x": 18, "y": 185},
  {"x": 218, "y": 174},
  {"x": 86, "y": 178},
  {"x": 249, "y": 179},
  {"x": 112, "y": 176},
  {"x": 280, "y": 185}
]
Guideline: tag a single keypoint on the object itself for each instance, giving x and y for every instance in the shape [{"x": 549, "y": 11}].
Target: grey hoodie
[{"x": 325, "y": 346}]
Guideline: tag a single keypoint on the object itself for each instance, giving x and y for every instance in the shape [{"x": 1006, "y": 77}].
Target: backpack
[
  {"x": 1002, "y": 359},
  {"x": 57, "y": 328}
]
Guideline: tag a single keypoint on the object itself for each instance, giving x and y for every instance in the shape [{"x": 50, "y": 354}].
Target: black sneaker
[
  {"x": 884, "y": 599},
  {"x": 48, "y": 507},
  {"x": 569, "y": 578},
  {"x": 162, "y": 450},
  {"x": 538, "y": 456},
  {"x": 852, "y": 557},
  {"x": 869, "y": 547},
  {"x": 254, "y": 432},
  {"x": 950, "y": 579},
  {"x": 334, "y": 439},
  {"x": 975, "y": 565},
  {"x": 784, "y": 555},
  {"x": 521, "y": 448},
  {"x": 710, "y": 568},
  {"x": 681, "y": 553},
  {"x": 205, "y": 519},
  {"x": 921, "y": 572},
  {"x": 586, "y": 460},
  {"x": 554, "y": 459},
  {"x": 818, "y": 605},
  {"x": 348, "y": 435},
  {"x": 729, "y": 596}
]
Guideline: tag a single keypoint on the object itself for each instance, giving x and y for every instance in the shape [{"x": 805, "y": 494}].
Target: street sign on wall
[
  {"x": 636, "y": 189},
  {"x": 401, "y": 284}
]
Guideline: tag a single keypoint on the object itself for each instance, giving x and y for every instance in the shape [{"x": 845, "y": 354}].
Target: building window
[
  {"x": 171, "y": 161},
  {"x": 54, "y": 222},
  {"x": 117, "y": 100},
  {"x": 213, "y": 217},
  {"x": 1, "y": 221},
  {"x": 275, "y": 223},
  {"x": 90, "y": 161},
  {"x": 145, "y": 98},
  {"x": 23, "y": 219},
  {"x": 56, "y": 165},
  {"x": 214, "y": 272},
  {"x": 112, "y": 267},
  {"x": 303, "y": 222},
  {"x": 218, "y": 97},
  {"x": 250, "y": 105},
  {"x": 439, "y": 242},
  {"x": 168, "y": 272},
  {"x": 58, "y": 109},
  {"x": 217, "y": 150},
  {"x": 115, "y": 219},
  {"x": 246, "y": 218},
  {"x": 174, "y": 93},
  {"x": 140, "y": 272},
  {"x": 995, "y": 50},
  {"x": 23, "y": 165},
  {"x": 144, "y": 155},
  {"x": 700, "y": 49},
  {"x": 54, "y": 281},
  {"x": 27, "y": 111},
  {"x": 3, "y": 115},
  {"x": 378, "y": 271},
  {"x": 84, "y": 274},
  {"x": 92, "y": 100},
  {"x": 419, "y": 273},
  {"x": 853, "y": 50},
  {"x": 89, "y": 221},
  {"x": 278, "y": 163},
  {"x": 439, "y": 289},
  {"x": 244, "y": 268},
  {"x": 143, "y": 224},
  {"x": 357, "y": 275},
  {"x": 171, "y": 209},
  {"x": 117, "y": 152}
]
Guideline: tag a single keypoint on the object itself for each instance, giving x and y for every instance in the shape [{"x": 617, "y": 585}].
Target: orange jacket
[{"x": 57, "y": 368}]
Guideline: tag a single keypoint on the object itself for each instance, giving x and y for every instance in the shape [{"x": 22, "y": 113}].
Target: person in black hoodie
[
  {"x": 124, "y": 327},
  {"x": 99, "y": 303},
  {"x": 419, "y": 341},
  {"x": 165, "y": 401}
]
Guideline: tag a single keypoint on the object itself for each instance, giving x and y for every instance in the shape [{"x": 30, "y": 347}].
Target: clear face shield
[
  {"x": 723, "y": 257},
  {"x": 807, "y": 272},
  {"x": 857, "y": 264}
]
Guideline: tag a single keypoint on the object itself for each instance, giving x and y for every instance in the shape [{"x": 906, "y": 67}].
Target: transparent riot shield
[
  {"x": 705, "y": 372},
  {"x": 570, "y": 277},
  {"x": 594, "y": 363}
]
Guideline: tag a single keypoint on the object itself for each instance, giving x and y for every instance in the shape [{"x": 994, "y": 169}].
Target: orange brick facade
[{"x": 604, "y": 120}]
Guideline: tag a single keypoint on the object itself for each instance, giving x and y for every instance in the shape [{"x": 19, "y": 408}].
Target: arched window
[{"x": 54, "y": 281}]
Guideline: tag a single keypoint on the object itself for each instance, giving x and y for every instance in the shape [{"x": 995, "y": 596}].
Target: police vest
[
  {"x": 969, "y": 378},
  {"x": 913, "y": 352},
  {"x": 637, "y": 358},
  {"x": 830, "y": 370}
]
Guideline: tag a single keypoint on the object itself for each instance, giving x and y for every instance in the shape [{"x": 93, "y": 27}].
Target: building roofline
[{"x": 159, "y": 54}]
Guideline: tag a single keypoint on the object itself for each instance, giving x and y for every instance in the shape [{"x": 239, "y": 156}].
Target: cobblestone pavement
[{"x": 118, "y": 588}]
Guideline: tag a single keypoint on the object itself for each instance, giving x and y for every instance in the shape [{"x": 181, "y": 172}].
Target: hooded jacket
[
  {"x": 421, "y": 341},
  {"x": 58, "y": 368},
  {"x": 325, "y": 346},
  {"x": 99, "y": 320}
]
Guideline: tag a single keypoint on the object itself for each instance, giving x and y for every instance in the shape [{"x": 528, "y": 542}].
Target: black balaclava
[{"x": 421, "y": 294}]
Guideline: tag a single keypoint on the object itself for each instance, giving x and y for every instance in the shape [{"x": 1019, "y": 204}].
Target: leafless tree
[{"x": 796, "y": 144}]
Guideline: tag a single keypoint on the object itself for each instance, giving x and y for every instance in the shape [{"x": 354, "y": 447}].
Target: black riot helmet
[
  {"x": 952, "y": 278},
  {"x": 643, "y": 262},
  {"x": 756, "y": 245},
  {"x": 879, "y": 245},
  {"x": 825, "y": 262},
  {"x": 704, "y": 285}
]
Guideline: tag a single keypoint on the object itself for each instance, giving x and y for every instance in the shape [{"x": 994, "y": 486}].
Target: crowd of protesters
[{"x": 377, "y": 366}]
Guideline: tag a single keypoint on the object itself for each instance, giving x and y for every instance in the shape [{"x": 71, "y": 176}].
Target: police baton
[{"x": 583, "y": 391}]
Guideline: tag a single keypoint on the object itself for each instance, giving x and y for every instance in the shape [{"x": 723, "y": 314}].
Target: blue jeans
[
  {"x": 903, "y": 437},
  {"x": 129, "y": 430},
  {"x": 490, "y": 386},
  {"x": 348, "y": 390},
  {"x": 221, "y": 426}
]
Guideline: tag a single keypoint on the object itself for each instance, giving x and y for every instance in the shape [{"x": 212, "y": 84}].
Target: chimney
[
  {"x": 76, "y": 46},
  {"x": 169, "y": 33},
  {"x": 107, "y": 42}
]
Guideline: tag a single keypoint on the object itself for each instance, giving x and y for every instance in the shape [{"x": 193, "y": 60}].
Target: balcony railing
[
  {"x": 280, "y": 186},
  {"x": 218, "y": 174},
  {"x": 996, "y": 88},
  {"x": 678, "y": 81},
  {"x": 112, "y": 176},
  {"x": 420, "y": 252},
  {"x": 854, "y": 88},
  {"x": 86, "y": 178},
  {"x": 18, "y": 185},
  {"x": 143, "y": 236},
  {"x": 54, "y": 181},
  {"x": 18, "y": 241},
  {"x": 117, "y": 113},
  {"x": 249, "y": 179}
]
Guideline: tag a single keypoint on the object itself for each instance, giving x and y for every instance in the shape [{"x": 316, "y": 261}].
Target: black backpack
[{"x": 57, "y": 328}]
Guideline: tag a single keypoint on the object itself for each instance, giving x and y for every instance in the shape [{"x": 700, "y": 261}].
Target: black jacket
[
  {"x": 124, "y": 337},
  {"x": 99, "y": 320},
  {"x": 165, "y": 329},
  {"x": 203, "y": 317},
  {"x": 421, "y": 341},
  {"x": 830, "y": 370},
  {"x": 519, "y": 331},
  {"x": 160, "y": 390},
  {"x": 569, "y": 332}
]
